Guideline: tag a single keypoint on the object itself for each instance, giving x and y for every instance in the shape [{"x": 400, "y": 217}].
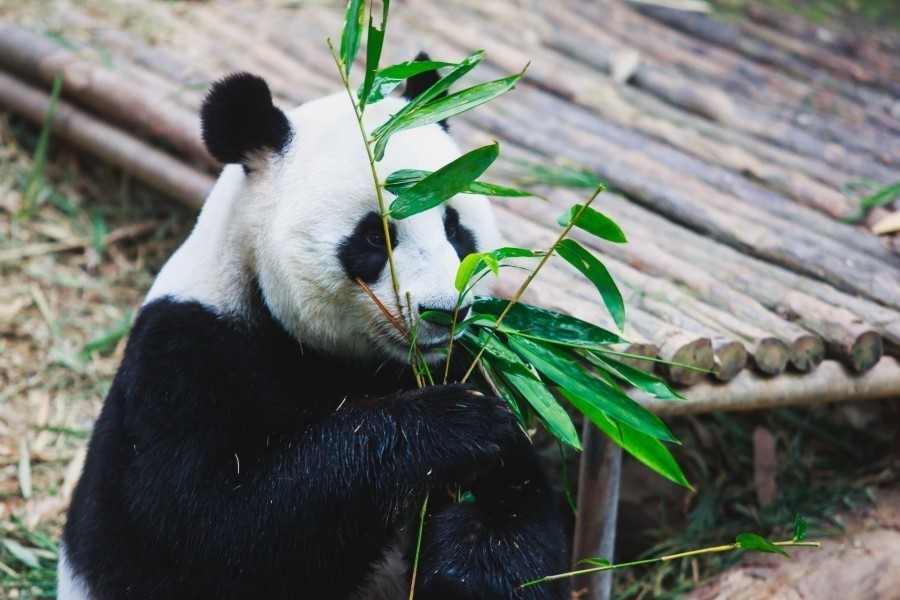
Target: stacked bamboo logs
[{"x": 729, "y": 196}]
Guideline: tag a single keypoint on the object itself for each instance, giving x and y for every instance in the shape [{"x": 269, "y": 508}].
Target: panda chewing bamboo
[{"x": 264, "y": 437}]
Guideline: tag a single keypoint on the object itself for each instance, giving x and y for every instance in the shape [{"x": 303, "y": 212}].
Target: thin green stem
[
  {"x": 412, "y": 585},
  {"x": 712, "y": 550},
  {"x": 532, "y": 275},
  {"x": 647, "y": 358},
  {"x": 371, "y": 156},
  {"x": 357, "y": 111},
  {"x": 452, "y": 330}
]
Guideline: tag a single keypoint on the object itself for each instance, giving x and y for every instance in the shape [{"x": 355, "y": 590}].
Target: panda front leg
[{"x": 510, "y": 534}]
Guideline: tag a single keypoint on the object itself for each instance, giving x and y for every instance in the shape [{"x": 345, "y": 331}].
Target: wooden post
[{"x": 598, "y": 504}]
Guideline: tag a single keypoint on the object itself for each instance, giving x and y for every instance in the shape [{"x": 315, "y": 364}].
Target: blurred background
[{"x": 752, "y": 150}]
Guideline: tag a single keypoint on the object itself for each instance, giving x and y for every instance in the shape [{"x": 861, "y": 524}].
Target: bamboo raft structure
[{"x": 726, "y": 145}]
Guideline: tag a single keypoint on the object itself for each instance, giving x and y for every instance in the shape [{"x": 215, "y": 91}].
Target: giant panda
[{"x": 264, "y": 436}]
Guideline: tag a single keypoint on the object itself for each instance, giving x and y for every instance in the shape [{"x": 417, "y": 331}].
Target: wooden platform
[{"x": 726, "y": 142}]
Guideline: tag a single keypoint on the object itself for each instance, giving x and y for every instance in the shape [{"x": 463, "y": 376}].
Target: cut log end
[
  {"x": 641, "y": 349},
  {"x": 866, "y": 352},
  {"x": 729, "y": 359},
  {"x": 697, "y": 354},
  {"x": 771, "y": 356},
  {"x": 807, "y": 353}
]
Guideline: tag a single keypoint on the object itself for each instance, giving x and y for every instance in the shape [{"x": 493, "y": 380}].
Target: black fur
[
  {"x": 238, "y": 118},
  {"x": 230, "y": 463},
  {"x": 417, "y": 84},
  {"x": 363, "y": 253},
  {"x": 461, "y": 237}
]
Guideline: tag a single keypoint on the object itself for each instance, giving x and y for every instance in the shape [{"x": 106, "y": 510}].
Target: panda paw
[
  {"x": 463, "y": 557},
  {"x": 467, "y": 428}
]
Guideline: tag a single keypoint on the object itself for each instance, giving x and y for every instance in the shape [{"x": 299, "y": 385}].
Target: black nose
[{"x": 463, "y": 311}]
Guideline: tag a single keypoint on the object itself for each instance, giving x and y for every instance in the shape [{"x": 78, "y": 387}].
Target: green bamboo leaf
[
  {"x": 552, "y": 415},
  {"x": 799, "y": 528},
  {"x": 546, "y": 325},
  {"x": 648, "y": 450},
  {"x": 595, "y": 223},
  {"x": 34, "y": 182},
  {"x": 649, "y": 384},
  {"x": 526, "y": 383},
  {"x": 879, "y": 198},
  {"x": 107, "y": 340},
  {"x": 384, "y": 131},
  {"x": 398, "y": 181},
  {"x": 352, "y": 33},
  {"x": 453, "y": 75},
  {"x": 569, "y": 375},
  {"x": 465, "y": 271},
  {"x": 388, "y": 79},
  {"x": 575, "y": 254},
  {"x": 751, "y": 541},
  {"x": 24, "y": 555},
  {"x": 503, "y": 357},
  {"x": 516, "y": 402},
  {"x": 440, "y": 109},
  {"x": 561, "y": 173},
  {"x": 598, "y": 561},
  {"x": 374, "y": 43},
  {"x": 473, "y": 264},
  {"x": 444, "y": 183}
]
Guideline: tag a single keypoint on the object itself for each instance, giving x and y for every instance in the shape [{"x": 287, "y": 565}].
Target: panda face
[{"x": 314, "y": 228}]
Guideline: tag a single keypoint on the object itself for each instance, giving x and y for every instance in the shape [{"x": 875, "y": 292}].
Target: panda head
[{"x": 306, "y": 222}]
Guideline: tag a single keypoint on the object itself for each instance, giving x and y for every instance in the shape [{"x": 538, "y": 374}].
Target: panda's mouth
[{"x": 434, "y": 344}]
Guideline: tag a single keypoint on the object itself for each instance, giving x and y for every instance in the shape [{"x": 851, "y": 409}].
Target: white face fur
[{"x": 288, "y": 219}]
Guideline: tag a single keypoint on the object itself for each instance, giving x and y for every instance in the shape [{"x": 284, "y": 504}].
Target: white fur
[
  {"x": 69, "y": 585},
  {"x": 284, "y": 222}
]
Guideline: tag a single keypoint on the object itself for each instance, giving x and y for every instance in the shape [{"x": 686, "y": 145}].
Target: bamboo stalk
[
  {"x": 847, "y": 335},
  {"x": 137, "y": 158},
  {"x": 831, "y": 382},
  {"x": 103, "y": 89}
]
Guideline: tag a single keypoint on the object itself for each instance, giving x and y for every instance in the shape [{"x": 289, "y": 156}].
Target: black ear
[
  {"x": 239, "y": 119},
  {"x": 417, "y": 84}
]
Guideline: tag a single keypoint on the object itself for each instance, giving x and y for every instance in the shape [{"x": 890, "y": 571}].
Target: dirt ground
[{"x": 72, "y": 275}]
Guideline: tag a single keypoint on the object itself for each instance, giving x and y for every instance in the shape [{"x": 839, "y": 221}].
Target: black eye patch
[
  {"x": 363, "y": 253},
  {"x": 461, "y": 238}
]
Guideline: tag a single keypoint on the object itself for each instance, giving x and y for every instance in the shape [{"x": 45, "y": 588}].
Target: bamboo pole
[
  {"x": 137, "y": 158},
  {"x": 847, "y": 335},
  {"x": 831, "y": 382},
  {"x": 104, "y": 90}
]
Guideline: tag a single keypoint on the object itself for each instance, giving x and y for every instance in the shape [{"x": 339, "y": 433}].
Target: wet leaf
[
  {"x": 444, "y": 183},
  {"x": 647, "y": 449},
  {"x": 649, "y": 384},
  {"x": 546, "y": 325},
  {"x": 526, "y": 382},
  {"x": 571, "y": 376}
]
